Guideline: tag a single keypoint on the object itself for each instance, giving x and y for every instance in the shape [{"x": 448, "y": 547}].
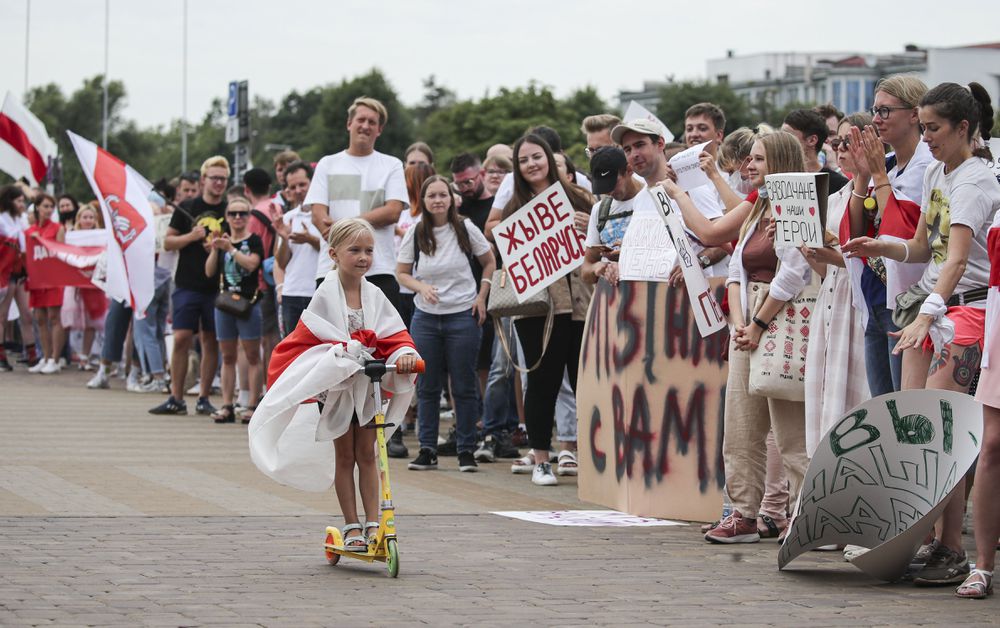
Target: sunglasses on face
[
  {"x": 237, "y": 214},
  {"x": 839, "y": 144}
]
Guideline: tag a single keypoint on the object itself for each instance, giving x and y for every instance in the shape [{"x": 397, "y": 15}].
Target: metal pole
[
  {"x": 27, "y": 38},
  {"x": 184, "y": 87},
  {"x": 104, "y": 116}
]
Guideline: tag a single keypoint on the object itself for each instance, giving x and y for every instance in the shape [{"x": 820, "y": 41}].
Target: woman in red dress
[{"x": 45, "y": 303}]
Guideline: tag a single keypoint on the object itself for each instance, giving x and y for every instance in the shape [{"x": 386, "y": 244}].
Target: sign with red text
[
  {"x": 707, "y": 313},
  {"x": 798, "y": 206},
  {"x": 53, "y": 264},
  {"x": 539, "y": 243}
]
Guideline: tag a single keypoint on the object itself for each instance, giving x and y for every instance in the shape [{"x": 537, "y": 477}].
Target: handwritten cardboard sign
[
  {"x": 707, "y": 313},
  {"x": 650, "y": 400},
  {"x": 647, "y": 251},
  {"x": 687, "y": 167},
  {"x": 881, "y": 475},
  {"x": 635, "y": 110},
  {"x": 538, "y": 243},
  {"x": 798, "y": 205}
]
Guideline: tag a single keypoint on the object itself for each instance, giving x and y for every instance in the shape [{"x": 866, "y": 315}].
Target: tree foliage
[{"x": 675, "y": 99}]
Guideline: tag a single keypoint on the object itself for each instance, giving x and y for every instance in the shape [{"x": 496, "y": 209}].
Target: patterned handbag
[
  {"x": 778, "y": 364},
  {"x": 503, "y": 303}
]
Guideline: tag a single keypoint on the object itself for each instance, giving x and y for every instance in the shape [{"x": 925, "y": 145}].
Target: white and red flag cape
[
  {"x": 124, "y": 197},
  {"x": 993, "y": 296},
  {"x": 25, "y": 147},
  {"x": 316, "y": 385}
]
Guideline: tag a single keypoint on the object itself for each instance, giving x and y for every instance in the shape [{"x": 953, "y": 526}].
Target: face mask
[{"x": 762, "y": 191}]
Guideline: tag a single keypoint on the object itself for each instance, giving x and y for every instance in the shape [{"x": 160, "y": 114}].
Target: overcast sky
[{"x": 472, "y": 46}]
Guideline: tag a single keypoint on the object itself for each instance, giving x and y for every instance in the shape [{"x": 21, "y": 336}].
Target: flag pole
[
  {"x": 184, "y": 87},
  {"x": 104, "y": 116},
  {"x": 27, "y": 39}
]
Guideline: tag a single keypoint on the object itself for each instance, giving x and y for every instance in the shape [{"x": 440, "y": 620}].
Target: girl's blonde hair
[
  {"x": 784, "y": 154},
  {"x": 87, "y": 207},
  {"x": 736, "y": 147},
  {"x": 347, "y": 230}
]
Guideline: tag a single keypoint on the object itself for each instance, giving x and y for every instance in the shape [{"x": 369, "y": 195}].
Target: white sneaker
[
  {"x": 543, "y": 476},
  {"x": 194, "y": 390},
  {"x": 62, "y": 363},
  {"x": 51, "y": 366},
  {"x": 152, "y": 386},
  {"x": 38, "y": 367},
  {"x": 99, "y": 380},
  {"x": 132, "y": 383}
]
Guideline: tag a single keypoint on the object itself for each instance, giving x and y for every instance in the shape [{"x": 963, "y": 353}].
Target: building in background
[{"x": 846, "y": 79}]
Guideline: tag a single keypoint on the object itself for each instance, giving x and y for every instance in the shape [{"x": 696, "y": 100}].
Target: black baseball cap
[{"x": 605, "y": 166}]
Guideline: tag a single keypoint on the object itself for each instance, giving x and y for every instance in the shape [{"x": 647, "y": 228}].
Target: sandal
[
  {"x": 357, "y": 543},
  {"x": 371, "y": 536},
  {"x": 771, "y": 527},
  {"x": 225, "y": 414},
  {"x": 567, "y": 463},
  {"x": 525, "y": 464},
  {"x": 977, "y": 586},
  {"x": 245, "y": 414}
]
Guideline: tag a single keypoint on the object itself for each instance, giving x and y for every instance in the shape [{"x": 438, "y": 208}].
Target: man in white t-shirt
[
  {"x": 361, "y": 182},
  {"x": 298, "y": 251}
]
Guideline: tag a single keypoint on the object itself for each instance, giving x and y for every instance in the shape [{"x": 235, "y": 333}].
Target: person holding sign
[
  {"x": 435, "y": 262},
  {"x": 942, "y": 341},
  {"x": 534, "y": 171},
  {"x": 609, "y": 218},
  {"x": 754, "y": 271}
]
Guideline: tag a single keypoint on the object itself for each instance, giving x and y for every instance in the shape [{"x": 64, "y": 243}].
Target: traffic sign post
[{"x": 238, "y": 126}]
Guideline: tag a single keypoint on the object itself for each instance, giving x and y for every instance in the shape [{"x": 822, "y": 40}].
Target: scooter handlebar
[{"x": 418, "y": 367}]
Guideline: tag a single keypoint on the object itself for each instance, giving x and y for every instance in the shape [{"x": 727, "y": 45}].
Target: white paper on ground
[
  {"x": 587, "y": 518},
  {"x": 880, "y": 475}
]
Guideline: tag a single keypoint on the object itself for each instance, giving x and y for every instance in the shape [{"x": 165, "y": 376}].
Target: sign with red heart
[{"x": 799, "y": 201}]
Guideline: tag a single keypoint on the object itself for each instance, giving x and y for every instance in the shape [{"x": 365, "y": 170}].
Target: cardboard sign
[
  {"x": 538, "y": 243},
  {"x": 707, "y": 312},
  {"x": 635, "y": 110},
  {"x": 798, "y": 205},
  {"x": 587, "y": 518},
  {"x": 647, "y": 251},
  {"x": 880, "y": 476},
  {"x": 687, "y": 167},
  {"x": 650, "y": 401}
]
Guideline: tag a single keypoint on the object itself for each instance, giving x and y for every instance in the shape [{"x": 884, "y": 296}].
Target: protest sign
[
  {"x": 687, "y": 167},
  {"x": 53, "y": 264},
  {"x": 707, "y": 313},
  {"x": 647, "y": 252},
  {"x": 881, "y": 475},
  {"x": 798, "y": 206},
  {"x": 635, "y": 110},
  {"x": 650, "y": 401},
  {"x": 539, "y": 243}
]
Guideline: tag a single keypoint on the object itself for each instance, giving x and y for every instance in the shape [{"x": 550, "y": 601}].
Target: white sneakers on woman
[
  {"x": 45, "y": 367},
  {"x": 543, "y": 476}
]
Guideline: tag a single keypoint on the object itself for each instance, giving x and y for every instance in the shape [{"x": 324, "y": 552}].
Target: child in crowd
[{"x": 84, "y": 309}]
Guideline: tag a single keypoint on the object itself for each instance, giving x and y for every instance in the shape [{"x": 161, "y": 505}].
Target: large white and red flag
[
  {"x": 124, "y": 197},
  {"x": 25, "y": 147}
]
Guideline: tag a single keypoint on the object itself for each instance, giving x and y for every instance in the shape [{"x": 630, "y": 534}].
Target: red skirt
[{"x": 46, "y": 297}]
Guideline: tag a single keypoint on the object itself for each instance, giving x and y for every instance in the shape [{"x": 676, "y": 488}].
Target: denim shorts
[{"x": 228, "y": 327}]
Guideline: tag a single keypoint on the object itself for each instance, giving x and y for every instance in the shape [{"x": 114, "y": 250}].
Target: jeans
[
  {"x": 446, "y": 343},
  {"x": 115, "y": 331},
  {"x": 566, "y": 412},
  {"x": 148, "y": 332},
  {"x": 499, "y": 403},
  {"x": 291, "y": 311},
  {"x": 885, "y": 371}
]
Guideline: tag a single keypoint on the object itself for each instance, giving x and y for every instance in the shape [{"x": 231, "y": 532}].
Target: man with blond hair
[
  {"x": 597, "y": 130},
  {"x": 196, "y": 222},
  {"x": 361, "y": 182}
]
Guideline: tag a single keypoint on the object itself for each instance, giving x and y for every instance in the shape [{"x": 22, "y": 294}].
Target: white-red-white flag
[
  {"x": 124, "y": 197},
  {"x": 25, "y": 147}
]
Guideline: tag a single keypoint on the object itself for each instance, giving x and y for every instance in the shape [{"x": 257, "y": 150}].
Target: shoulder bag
[{"x": 503, "y": 303}]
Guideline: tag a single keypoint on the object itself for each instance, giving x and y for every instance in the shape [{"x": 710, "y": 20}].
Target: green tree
[{"x": 677, "y": 97}]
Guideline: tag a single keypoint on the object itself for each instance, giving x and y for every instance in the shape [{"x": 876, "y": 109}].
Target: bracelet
[
  {"x": 906, "y": 251},
  {"x": 486, "y": 280},
  {"x": 882, "y": 185},
  {"x": 759, "y": 323},
  {"x": 856, "y": 195}
]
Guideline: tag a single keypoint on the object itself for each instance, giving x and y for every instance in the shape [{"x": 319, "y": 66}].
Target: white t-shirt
[
  {"x": 506, "y": 190},
  {"x": 614, "y": 229},
  {"x": 969, "y": 196},
  {"x": 405, "y": 223},
  {"x": 448, "y": 269},
  {"x": 300, "y": 274},
  {"x": 12, "y": 228},
  {"x": 351, "y": 187}
]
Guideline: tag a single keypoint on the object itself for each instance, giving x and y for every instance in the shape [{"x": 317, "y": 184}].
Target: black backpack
[{"x": 604, "y": 213}]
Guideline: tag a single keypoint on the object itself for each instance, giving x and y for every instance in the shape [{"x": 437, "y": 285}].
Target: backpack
[
  {"x": 267, "y": 264},
  {"x": 604, "y": 213}
]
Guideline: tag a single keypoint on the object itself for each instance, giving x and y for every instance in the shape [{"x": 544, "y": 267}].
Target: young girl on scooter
[{"x": 317, "y": 391}]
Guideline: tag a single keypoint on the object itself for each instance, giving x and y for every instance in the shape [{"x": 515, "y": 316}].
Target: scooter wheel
[
  {"x": 392, "y": 558},
  {"x": 332, "y": 557}
]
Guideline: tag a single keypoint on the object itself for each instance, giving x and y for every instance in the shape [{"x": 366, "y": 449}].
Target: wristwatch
[{"x": 705, "y": 261}]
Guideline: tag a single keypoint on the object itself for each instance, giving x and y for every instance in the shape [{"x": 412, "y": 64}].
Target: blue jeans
[
  {"x": 499, "y": 403},
  {"x": 448, "y": 344},
  {"x": 885, "y": 371},
  {"x": 291, "y": 312},
  {"x": 115, "y": 331},
  {"x": 149, "y": 331}
]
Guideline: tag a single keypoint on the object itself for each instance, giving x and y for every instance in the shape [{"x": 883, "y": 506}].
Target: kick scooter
[{"x": 381, "y": 547}]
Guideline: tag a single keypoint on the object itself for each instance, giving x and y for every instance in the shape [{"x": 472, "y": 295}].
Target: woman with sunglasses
[
  {"x": 237, "y": 255},
  {"x": 885, "y": 201}
]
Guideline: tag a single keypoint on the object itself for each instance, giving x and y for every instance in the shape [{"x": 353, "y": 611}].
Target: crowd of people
[{"x": 902, "y": 283}]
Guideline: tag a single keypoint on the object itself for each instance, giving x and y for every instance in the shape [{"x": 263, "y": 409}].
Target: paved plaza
[{"x": 111, "y": 516}]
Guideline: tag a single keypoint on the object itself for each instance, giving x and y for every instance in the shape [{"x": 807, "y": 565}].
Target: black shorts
[{"x": 268, "y": 313}]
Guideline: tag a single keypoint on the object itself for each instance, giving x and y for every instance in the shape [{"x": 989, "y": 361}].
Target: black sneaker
[
  {"x": 5, "y": 366},
  {"x": 395, "y": 447},
  {"x": 425, "y": 461},
  {"x": 204, "y": 406},
  {"x": 503, "y": 446},
  {"x": 944, "y": 566},
  {"x": 450, "y": 446},
  {"x": 467, "y": 462},
  {"x": 170, "y": 406}
]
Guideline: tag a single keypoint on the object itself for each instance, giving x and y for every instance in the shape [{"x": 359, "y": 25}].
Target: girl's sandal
[
  {"x": 225, "y": 414},
  {"x": 977, "y": 586},
  {"x": 357, "y": 543},
  {"x": 373, "y": 534},
  {"x": 245, "y": 414}
]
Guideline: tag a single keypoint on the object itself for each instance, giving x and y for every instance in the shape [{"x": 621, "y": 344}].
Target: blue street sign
[{"x": 233, "y": 104}]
